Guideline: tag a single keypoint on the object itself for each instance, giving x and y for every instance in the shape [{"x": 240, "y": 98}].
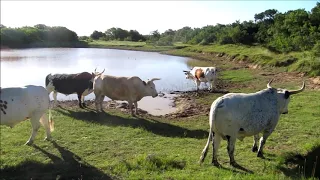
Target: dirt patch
[
  {"x": 311, "y": 83},
  {"x": 187, "y": 106}
]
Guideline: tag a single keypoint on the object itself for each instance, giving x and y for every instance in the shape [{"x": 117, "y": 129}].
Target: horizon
[{"x": 84, "y": 17}]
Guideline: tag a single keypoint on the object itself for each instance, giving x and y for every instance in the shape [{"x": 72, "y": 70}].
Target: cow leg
[
  {"x": 79, "y": 99},
  {"x": 230, "y": 148},
  {"x": 35, "y": 123},
  {"x": 130, "y": 107},
  {"x": 45, "y": 122},
  {"x": 136, "y": 107},
  {"x": 263, "y": 140},
  {"x": 98, "y": 102},
  {"x": 82, "y": 100},
  {"x": 215, "y": 147},
  {"x": 255, "y": 142},
  {"x": 211, "y": 85},
  {"x": 198, "y": 84},
  {"x": 54, "y": 95},
  {"x": 101, "y": 101}
]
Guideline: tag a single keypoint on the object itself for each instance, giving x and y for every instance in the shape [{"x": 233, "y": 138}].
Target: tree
[
  {"x": 96, "y": 35},
  {"x": 41, "y": 26},
  {"x": 315, "y": 15}
]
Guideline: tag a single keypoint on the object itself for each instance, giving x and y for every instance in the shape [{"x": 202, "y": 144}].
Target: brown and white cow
[{"x": 202, "y": 74}]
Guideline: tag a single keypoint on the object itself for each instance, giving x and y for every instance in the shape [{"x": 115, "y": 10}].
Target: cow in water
[
  {"x": 202, "y": 74},
  {"x": 22, "y": 103},
  {"x": 80, "y": 84}
]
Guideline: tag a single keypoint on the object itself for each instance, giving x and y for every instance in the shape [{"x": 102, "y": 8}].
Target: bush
[{"x": 316, "y": 49}]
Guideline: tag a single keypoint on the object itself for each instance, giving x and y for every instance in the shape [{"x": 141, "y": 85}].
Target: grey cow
[
  {"x": 131, "y": 89},
  {"x": 238, "y": 115}
]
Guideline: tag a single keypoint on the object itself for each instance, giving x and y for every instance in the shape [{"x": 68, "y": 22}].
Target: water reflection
[{"x": 30, "y": 66}]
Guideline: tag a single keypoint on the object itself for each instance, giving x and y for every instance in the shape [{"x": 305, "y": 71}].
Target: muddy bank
[
  {"x": 162, "y": 105},
  {"x": 176, "y": 104}
]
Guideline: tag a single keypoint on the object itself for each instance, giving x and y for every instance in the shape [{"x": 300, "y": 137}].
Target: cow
[
  {"x": 239, "y": 115},
  {"x": 22, "y": 103},
  {"x": 131, "y": 89},
  {"x": 202, "y": 74},
  {"x": 79, "y": 83}
]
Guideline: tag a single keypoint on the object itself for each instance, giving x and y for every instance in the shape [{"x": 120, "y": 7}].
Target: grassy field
[
  {"x": 292, "y": 62},
  {"x": 129, "y": 45},
  {"x": 114, "y": 145}
]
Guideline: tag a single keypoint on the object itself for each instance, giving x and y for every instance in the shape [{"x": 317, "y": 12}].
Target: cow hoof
[
  {"x": 28, "y": 143},
  {"x": 260, "y": 154},
  {"x": 216, "y": 164},
  {"x": 47, "y": 139},
  {"x": 254, "y": 149},
  {"x": 234, "y": 164}
]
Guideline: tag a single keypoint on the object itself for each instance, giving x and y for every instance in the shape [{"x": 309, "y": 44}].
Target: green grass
[
  {"x": 115, "y": 145},
  {"x": 129, "y": 45},
  {"x": 241, "y": 75},
  {"x": 117, "y": 43},
  {"x": 294, "y": 61}
]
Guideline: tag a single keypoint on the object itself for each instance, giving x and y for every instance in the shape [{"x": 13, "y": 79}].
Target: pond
[{"x": 31, "y": 66}]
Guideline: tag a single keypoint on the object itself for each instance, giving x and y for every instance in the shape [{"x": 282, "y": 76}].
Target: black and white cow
[{"x": 80, "y": 84}]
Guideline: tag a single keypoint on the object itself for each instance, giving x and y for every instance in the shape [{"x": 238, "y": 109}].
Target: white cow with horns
[
  {"x": 22, "y": 103},
  {"x": 202, "y": 74},
  {"x": 131, "y": 89},
  {"x": 238, "y": 115}
]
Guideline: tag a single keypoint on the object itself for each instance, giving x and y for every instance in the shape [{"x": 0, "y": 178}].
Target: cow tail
[
  {"x": 51, "y": 122},
  {"x": 211, "y": 135}
]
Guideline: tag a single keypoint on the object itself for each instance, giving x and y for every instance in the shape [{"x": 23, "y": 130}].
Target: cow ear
[
  {"x": 92, "y": 74},
  {"x": 286, "y": 94},
  {"x": 144, "y": 83}
]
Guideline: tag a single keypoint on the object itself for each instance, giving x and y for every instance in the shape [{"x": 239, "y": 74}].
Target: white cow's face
[
  {"x": 151, "y": 87},
  {"x": 283, "y": 97},
  {"x": 283, "y": 100}
]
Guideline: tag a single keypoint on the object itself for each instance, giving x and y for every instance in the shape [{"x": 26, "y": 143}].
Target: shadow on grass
[
  {"x": 69, "y": 167},
  {"x": 236, "y": 169},
  {"x": 307, "y": 166},
  {"x": 154, "y": 126}
]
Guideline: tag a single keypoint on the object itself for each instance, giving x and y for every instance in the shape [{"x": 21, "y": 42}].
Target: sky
[{"x": 83, "y": 17}]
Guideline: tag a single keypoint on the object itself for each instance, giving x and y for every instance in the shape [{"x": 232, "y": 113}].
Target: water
[{"x": 31, "y": 66}]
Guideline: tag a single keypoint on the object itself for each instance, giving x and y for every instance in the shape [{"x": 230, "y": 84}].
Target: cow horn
[
  {"x": 154, "y": 79},
  {"x": 268, "y": 85},
  {"x": 299, "y": 90},
  {"x": 100, "y": 73}
]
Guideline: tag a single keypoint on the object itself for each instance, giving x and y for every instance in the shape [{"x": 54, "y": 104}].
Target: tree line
[
  {"x": 294, "y": 30},
  {"x": 39, "y": 35}
]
